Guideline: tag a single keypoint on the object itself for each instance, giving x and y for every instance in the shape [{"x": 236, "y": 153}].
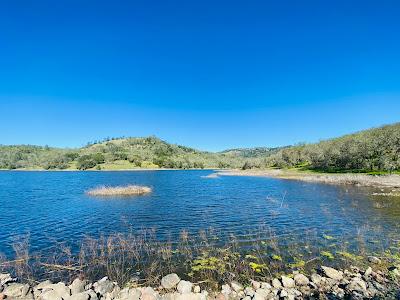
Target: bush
[{"x": 89, "y": 161}]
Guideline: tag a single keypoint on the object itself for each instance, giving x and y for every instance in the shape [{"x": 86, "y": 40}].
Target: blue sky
[{"x": 207, "y": 74}]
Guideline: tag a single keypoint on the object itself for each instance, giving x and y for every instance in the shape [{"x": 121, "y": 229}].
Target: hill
[
  {"x": 373, "y": 150},
  {"x": 376, "y": 149},
  {"x": 121, "y": 153},
  {"x": 255, "y": 152}
]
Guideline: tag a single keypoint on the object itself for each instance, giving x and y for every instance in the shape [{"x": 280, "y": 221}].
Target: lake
[{"x": 52, "y": 207}]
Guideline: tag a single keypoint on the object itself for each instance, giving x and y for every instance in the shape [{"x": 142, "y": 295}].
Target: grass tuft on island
[{"x": 128, "y": 190}]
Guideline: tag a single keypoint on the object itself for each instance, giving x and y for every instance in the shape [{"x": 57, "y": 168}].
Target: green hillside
[
  {"x": 376, "y": 149},
  {"x": 123, "y": 153}
]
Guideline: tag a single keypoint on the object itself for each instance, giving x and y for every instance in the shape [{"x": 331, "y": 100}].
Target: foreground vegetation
[
  {"x": 374, "y": 151},
  {"x": 202, "y": 258}
]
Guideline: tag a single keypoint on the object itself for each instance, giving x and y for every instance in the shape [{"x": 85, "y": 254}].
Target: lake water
[{"x": 51, "y": 207}]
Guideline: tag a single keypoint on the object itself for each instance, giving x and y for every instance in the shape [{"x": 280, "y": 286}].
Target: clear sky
[{"x": 208, "y": 74}]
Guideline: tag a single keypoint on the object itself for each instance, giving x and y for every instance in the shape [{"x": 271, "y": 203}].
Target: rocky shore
[{"x": 325, "y": 283}]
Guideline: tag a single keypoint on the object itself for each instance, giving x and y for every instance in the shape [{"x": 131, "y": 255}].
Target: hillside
[
  {"x": 376, "y": 149},
  {"x": 123, "y": 153},
  {"x": 255, "y": 152}
]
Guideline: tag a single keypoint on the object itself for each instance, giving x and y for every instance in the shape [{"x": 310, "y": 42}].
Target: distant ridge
[{"x": 376, "y": 149}]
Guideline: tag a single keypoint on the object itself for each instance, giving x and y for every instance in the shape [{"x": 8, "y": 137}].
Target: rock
[
  {"x": 59, "y": 288},
  {"x": 92, "y": 294},
  {"x": 276, "y": 283},
  {"x": 249, "y": 291},
  {"x": 17, "y": 290},
  {"x": 287, "y": 282},
  {"x": 266, "y": 286},
  {"x": 2, "y": 296},
  {"x": 236, "y": 286},
  {"x": 43, "y": 285},
  {"x": 368, "y": 272},
  {"x": 129, "y": 294},
  {"x": 332, "y": 273},
  {"x": 170, "y": 281},
  {"x": 226, "y": 289},
  {"x": 220, "y": 296},
  {"x": 301, "y": 279},
  {"x": 262, "y": 292},
  {"x": 374, "y": 260},
  {"x": 148, "y": 297},
  {"x": 103, "y": 286},
  {"x": 315, "y": 278},
  {"x": 358, "y": 285},
  {"x": 78, "y": 286},
  {"x": 6, "y": 278},
  {"x": 283, "y": 293},
  {"x": 258, "y": 297},
  {"x": 196, "y": 289},
  {"x": 78, "y": 296},
  {"x": 188, "y": 296},
  {"x": 50, "y": 295},
  {"x": 184, "y": 287},
  {"x": 168, "y": 296},
  {"x": 255, "y": 284},
  {"x": 111, "y": 295}
]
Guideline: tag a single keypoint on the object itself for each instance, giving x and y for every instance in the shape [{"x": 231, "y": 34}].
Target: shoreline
[
  {"x": 109, "y": 170},
  {"x": 357, "y": 179},
  {"x": 324, "y": 283}
]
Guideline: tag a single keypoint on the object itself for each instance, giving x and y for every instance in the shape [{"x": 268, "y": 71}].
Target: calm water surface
[{"x": 52, "y": 207}]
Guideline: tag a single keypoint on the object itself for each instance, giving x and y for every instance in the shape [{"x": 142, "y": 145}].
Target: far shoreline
[{"x": 356, "y": 179}]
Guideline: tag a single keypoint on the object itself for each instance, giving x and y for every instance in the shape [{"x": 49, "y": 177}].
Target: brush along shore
[
  {"x": 128, "y": 190},
  {"x": 384, "y": 181},
  {"x": 324, "y": 283}
]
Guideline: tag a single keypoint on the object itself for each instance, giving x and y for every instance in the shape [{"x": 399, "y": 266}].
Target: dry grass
[
  {"x": 141, "y": 258},
  {"x": 384, "y": 181},
  {"x": 129, "y": 190}
]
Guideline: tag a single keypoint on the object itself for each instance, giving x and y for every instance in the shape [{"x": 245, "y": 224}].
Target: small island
[{"x": 128, "y": 190}]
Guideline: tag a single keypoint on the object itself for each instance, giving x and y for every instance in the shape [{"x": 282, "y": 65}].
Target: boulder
[
  {"x": 103, "y": 286},
  {"x": 77, "y": 286},
  {"x": 170, "y": 281},
  {"x": 301, "y": 279},
  {"x": 50, "y": 295},
  {"x": 129, "y": 294},
  {"x": 43, "y": 285},
  {"x": 262, "y": 292},
  {"x": 6, "y": 278},
  {"x": 78, "y": 296},
  {"x": 188, "y": 296},
  {"x": 358, "y": 285},
  {"x": 276, "y": 283},
  {"x": 287, "y": 282},
  {"x": 236, "y": 286},
  {"x": 17, "y": 290},
  {"x": 184, "y": 287},
  {"x": 59, "y": 288},
  {"x": 332, "y": 273}
]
